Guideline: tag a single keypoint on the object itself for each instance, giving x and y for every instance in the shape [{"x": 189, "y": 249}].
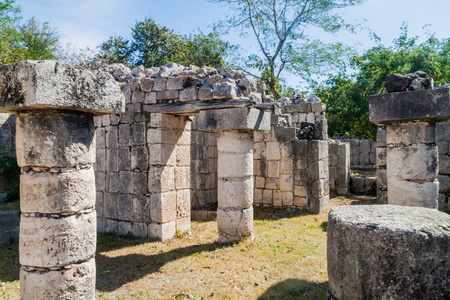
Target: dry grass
[{"x": 286, "y": 260}]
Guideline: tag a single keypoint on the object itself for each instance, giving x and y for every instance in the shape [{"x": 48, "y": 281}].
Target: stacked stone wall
[
  {"x": 443, "y": 142},
  {"x": 339, "y": 166},
  {"x": 382, "y": 184},
  {"x": 362, "y": 153},
  {"x": 9, "y": 227}
]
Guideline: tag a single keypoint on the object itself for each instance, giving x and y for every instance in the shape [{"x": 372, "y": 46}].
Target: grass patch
[
  {"x": 286, "y": 260},
  {"x": 6, "y": 206}
]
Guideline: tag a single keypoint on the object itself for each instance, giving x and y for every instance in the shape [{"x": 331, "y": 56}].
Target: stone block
[
  {"x": 317, "y": 170},
  {"x": 163, "y": 207},
  {"x": 364, "y": 158},
  {"x": 417, "y": 163},
  {"x": 333, "y": 172},
  {"x": 139, "y": 183},
  {"x": 273, "y": 151},
  {"x": 74, "y": 282},
  {"x": 150, "y": 98},
  {"x": 287, "y": 166},
  {"x": 410, "y": 106},
  {"x": 287, "y": 150},
  {"x": 272, "y": 183},
  {"x": 276, "y": 199},
  {"x": 224, "y": 90},
  {"x": 381, "y": 138},
  {"x": 124, "y": 228},
  {"x": 405, "y": 134},
  {"x": 235, "y": 142},
  {"x": 138, "y": 133},
  {"x": 234, "y": 224},
  {"x": 183, "y": 204},
  {"x": 273, "y": 168},
  {"x": 288, "y": 198},
  {"x": 124, "y": 134},
  {"x": 182, "y": 178},
  {"x": 50, "y": 84},
  {"x": 112, "y": 182},
  {"x": 183, "y": 156},
  {"x": 442, "y": 148},
  {"x": 175, "y": 83},
  {"x": 139, "y": 158},
  {"x": 357, "y": 185},
  {"x": 167, "y": 95},
  {"x": 235, "y": 194},
  {"x": 287, "y": 183},
  {"x": 48, "y": 242},
  {"x": 100, "y": 181},
  {"x": 444, "y": 164},
  {"x": 124, "y": 157},
  {"x": 364, "y": 146},
  {"x": 163, "y": 232},
  {"x": 444, "y": 184},
  {"x": 407, "y": 193},
  {"x": 188, "y": 94},
  {"x": 235, "y": 165},
  {"x": 381, "y": 156},
  {"x": 183, "y": 224},
  {"x": 56, "y": 193},
  {"x": 301, "y": 202},
  {"x": 205, "y": 94},
  {"x": 382, "y": 179},
  {"x": 159, "y": 84},
  {"x": 100, "y": 138},
  {"x": 411, "y": 246},
  {"x": 41, "y": 140},
  {"x": 161, "y": 179},
  {"x": 317, "y": 150},
  {"x": 137, "y": 97},
  {"x": 318, "y": 205},
  {"x": 267, "y": 196},
  {"x": 125, "y": 182},
  {"x": 234, "y": 119}
]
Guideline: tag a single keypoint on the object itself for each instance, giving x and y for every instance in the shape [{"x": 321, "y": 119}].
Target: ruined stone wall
[
  {"x": 339, "y": 166},
  {"x": 362, "y": 153},
  {"x": 7, "y": 139},
  {"x": 443, "y": 142}
]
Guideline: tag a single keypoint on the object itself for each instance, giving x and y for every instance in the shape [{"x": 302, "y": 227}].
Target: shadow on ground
[
  {"x": 114, "y": 272},
  {"x": 296, "y": 289},
  {"x": 9, "y": 263}
]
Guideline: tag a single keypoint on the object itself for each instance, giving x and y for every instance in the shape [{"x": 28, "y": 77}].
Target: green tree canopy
[
  {"x": 347, "y": 96},
  {"x": 154, "y": 45},
  {"x": 280, "y": 28}
]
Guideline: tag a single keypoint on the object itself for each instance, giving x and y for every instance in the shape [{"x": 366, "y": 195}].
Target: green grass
[{"x": 6, "y": 206}]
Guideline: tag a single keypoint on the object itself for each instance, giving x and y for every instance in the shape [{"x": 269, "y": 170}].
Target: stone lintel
[
  {"x": 234, "y": 119},
  {"x": 408, "y": 106},
  {"x": 31, "y": 85}
]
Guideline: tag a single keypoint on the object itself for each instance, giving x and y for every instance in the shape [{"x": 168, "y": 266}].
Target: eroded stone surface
[
  {"x": 76, "y": 282},
  {"x": 388, "y": 252},
  {"x": 50, "y": 84},
  {"x": 234, "y": 225}
]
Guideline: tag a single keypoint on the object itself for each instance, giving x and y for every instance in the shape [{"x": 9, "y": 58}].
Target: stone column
[
  {"x": 55, "y": 105},
  {"x": 235, "y": 128},
  {"x": 412, "y": 154},
  {"x": 235, "y": 185}
]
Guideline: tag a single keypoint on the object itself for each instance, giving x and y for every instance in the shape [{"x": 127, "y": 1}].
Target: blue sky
[{"x": 90, "y": 22}]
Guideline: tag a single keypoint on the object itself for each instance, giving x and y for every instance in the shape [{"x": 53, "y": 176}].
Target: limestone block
[
  {"x": 317, "y": 170},
  {"x": 364, "y": 146},
  {"x": 373, "y": 158},
  {"x": 150, "y": 98},
  {"x": 287, "y": 150},
  {"x": 138, "y": 131},
  {"x": 444, "y": 184},
  {"x": 163, "y": 207},
  {"x": 75, "y": 282},
  {"x": 61, "y": 140},
  {"x": 288, "y": 198},
  {"x": 110, "y": 205},
  {"x": 100, "y": 138},
  {"x": 101, "y": 225},
  {"x": 167, "y": 95},
  {"x": 318, "y": 205},
  {"x": 125, "y": 182},
  {"x": 409, "y": 106},
  {"x": 188, "y": 94},
  {"x": 382, "y": 180},
  {"x": 124, "y": 159},
  {"x": 443, "y": 148},
  {"x": 56, "y": 193},
  {"x": 310, "y": 118},
  {"x": 125, "y": 209},
  {"x": 162, "y": 136},
  {"x": 235, "y": 165},
  {"x": 139, "y": 229},
  {"x": 182, "y": 178},
  {"x": 273, "y": 151},
  {"x": 234, "y": 224},
  {"x": 317, "y": 150},
  {"x": 100, "y": 181},
  {"x": 276, "y": 199},
  {"x": 47, "y": 242},
  {"x": 175, "y": 83},
  {"x": 234, "y": 119},
  {"x": 421, "y": 194},
  {"x": 411, "y": 246},
  {"x": 137, "y": 97},
  {"x": 411, "y": 133},
  {"x": 357, "y": 184},
  {"x": 287, "y": 166},
  {"x": 382, "y": 197},
  {"x": 235, "y": 194},
  {"x": 141, "y": 209},
  {"x": 417, "y": 162},
  {"x": 50, "y": 84},
  {"x": 183, "y": 204},
  {"x": 444, "y": 164},
  {"x": 164, "y": 231},
  {"x": 183, "y": 224},
  {"x": 333, "y": 172},
  {"x": 259, "y": 150},
  {"x": 205, "y": 94},
  {"x": 112, "y": 182},
  {"x": 381, "y": 138},
  {"x": 224, "y": 90},
  {"x": 381, "y": 156},
  {"x": 159, "y": 84},
  {"x": 287, "y": 183},
  {"x": 364, "y": 158},
  {"x": 267, "y": 196},
  {"x": 301, "y": 202},
  {"x": 235, "y": 142},
  {"x": 139, "y": 158},
  {"x": 124, "y": 228},
  {"x": 273, "y": 168},
  {"x": 139, "y": 183}
]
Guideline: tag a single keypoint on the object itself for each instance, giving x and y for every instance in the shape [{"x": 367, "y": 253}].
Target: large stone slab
[
  {"x": 409, "y": 106},
  {"x": 48, "y": 84},
  {"x": 234, "y": 119},
  {"x": 388, "y": 252}
]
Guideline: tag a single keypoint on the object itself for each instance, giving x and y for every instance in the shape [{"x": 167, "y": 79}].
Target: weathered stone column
[
  {"x": 55, "y": 105},
  {"x": 412, "y": 154},
  {"x": 235, "y": 167}
]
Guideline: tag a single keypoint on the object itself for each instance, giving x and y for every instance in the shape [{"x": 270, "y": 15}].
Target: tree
[
  {"x": 279, "y": 27},
  {"x": 154, "y": 45},
  {"x": 347, "y": 96},
  {"x": 9, "y": 36}
]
